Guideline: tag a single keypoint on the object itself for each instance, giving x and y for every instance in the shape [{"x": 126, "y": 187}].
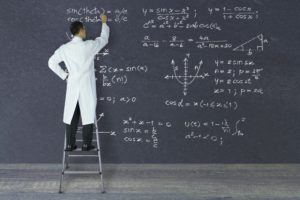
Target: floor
[{"x": 153, "y": 181}]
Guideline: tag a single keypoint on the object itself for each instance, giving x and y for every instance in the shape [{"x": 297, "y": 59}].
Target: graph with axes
[{"x": 186, "y": 78}]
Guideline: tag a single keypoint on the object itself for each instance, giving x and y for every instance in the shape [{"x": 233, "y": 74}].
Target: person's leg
[
  {"x": 87, "y": 136},
  {"x": 72, "y": 128}
]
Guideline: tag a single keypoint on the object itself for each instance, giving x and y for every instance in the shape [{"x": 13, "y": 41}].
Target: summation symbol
[
  {"x": 186, "y": 79},
  {"x": 254, "y": 44}
]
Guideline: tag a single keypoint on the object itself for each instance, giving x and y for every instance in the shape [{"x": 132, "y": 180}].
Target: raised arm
[
  {"x": 53, "y": 64},
  {"x": 102, "y": 40}
]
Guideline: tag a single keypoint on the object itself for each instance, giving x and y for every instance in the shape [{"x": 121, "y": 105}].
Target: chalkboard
[{"x": 198, "y": 81}]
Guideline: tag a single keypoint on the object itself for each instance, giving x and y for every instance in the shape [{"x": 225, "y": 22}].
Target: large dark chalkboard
[{"x": 194, "y": 81}]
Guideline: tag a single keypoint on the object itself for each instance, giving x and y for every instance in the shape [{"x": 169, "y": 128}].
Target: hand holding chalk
[{"x": 103, "y": 18}]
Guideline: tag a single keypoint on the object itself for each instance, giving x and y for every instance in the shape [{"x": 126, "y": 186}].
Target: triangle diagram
[{"x": 254, "y": 44}]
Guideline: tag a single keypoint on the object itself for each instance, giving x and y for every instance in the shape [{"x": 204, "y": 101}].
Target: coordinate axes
[{"x": 186, "y": 78}]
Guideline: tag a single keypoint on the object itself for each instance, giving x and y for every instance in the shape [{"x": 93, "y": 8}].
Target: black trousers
[{"x": 87, "y": 130}]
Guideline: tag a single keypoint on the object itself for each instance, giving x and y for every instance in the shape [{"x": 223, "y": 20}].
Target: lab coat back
[{"x": 78, "y": 56}]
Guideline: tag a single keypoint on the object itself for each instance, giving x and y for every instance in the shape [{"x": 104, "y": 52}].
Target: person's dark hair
[{"x": 75, "y": 27}]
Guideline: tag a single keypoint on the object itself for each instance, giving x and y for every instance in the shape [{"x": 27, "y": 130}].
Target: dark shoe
[
  {"x": 71, "y": 147},
  {"x": 86, "y": 147}
]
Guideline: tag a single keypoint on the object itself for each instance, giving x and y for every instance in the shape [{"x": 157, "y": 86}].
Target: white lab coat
[{"x": 78, "y": 56}]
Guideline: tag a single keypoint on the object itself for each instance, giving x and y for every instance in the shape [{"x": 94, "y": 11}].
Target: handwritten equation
[
  {"x": 92, "y": 14},
  {"x": 208, "y": 130},
  {"x": 255, "y": 44},
  {"x": 114, "y": 99},
  {"x": 235, "y": 13},
  {"x": 112, "y": 76},
  {"x": 142, "y": 131}
]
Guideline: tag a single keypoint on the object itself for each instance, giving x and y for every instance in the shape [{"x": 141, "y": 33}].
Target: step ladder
[{"x": 78, "y": 153}]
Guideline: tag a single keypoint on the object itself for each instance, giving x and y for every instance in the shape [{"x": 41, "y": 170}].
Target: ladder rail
[
  {"x": 63, "y": 165},
  {"x": 99, "y": 156}
]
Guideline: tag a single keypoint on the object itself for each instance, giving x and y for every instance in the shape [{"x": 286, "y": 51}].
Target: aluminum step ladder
[{"x": 78, "y": 153}]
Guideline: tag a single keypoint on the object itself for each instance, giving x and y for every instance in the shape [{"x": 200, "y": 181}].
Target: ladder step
[
  {"x": 79, "y": 150},
  {"x": 81, "y": 140},
  {"x": 81, "y": 155},
  {"x": 80, "y": 132},
  {"x": 81, "y": 172}
]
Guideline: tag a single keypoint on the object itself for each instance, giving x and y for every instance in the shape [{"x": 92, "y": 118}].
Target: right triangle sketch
[{"x": 254, "y": 44}]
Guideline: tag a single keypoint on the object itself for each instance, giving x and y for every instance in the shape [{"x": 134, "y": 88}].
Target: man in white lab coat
[{"x": 81, "y": 98}]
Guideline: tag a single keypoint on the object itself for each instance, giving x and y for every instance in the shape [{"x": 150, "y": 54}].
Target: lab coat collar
[{"x": 76, "y": 38}]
